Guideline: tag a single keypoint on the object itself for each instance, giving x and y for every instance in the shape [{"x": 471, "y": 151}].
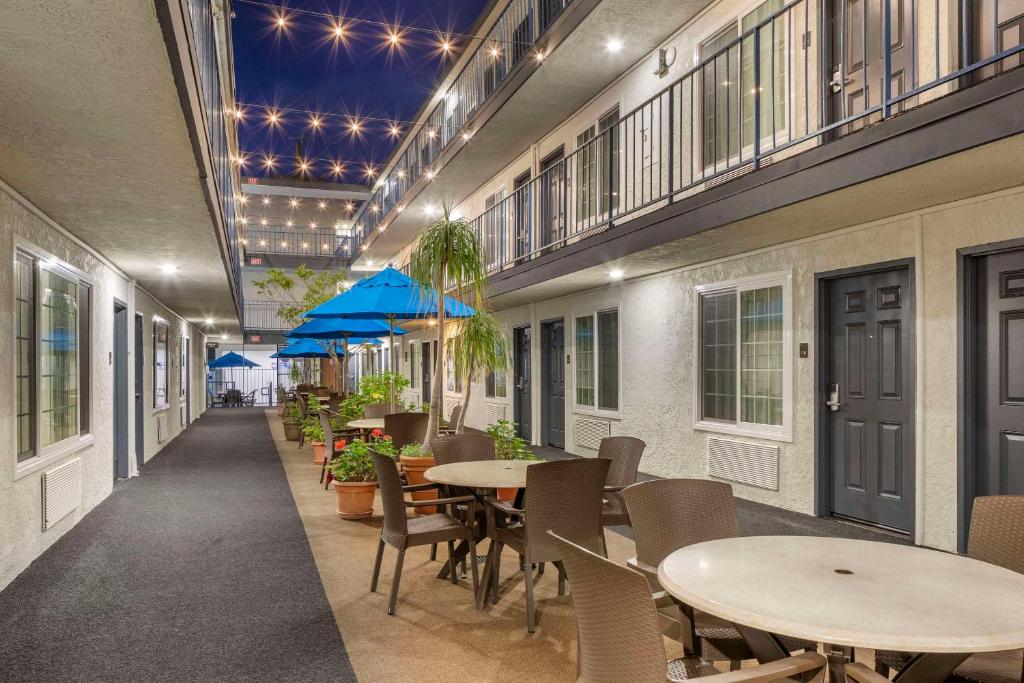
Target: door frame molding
[
  {"x": 967, "y": 377},
  {"x": 822, "y": 433}
]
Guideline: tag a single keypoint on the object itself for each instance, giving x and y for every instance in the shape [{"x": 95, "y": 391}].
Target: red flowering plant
[{"x": 354, "y": 462}]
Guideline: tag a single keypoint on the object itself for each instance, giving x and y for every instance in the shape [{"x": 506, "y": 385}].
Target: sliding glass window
[{"x": 597, "y": 360}]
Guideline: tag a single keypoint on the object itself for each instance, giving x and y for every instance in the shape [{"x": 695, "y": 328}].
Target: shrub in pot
[
  {"x": 314, "y": 433},
  {"x": 293, "y": 423},
  {"x": 508, "y": 445},
  {"x": 415, "y": 461},
  {"x": 354, "y": 480}
]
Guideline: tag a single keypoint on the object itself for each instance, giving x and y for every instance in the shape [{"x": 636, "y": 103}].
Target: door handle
[
  {"x": 833, "y": 398},
  {"x": 838, "y": 81}
]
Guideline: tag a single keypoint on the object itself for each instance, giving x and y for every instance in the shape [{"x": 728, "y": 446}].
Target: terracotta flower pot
[
  {"x": 319, "y": 449},
  {"x": 355, "y": 498},
  {"x": 508, "y": 495},
  {"x": 292, "y": 431},
  {"x": 414, "y": 469}
]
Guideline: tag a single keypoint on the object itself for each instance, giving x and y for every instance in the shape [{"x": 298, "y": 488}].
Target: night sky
[{"x": 304, "y": 67}]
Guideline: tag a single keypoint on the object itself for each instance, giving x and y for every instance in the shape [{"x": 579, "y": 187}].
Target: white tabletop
[
  {"x": 367, "y": 423},
  {"x": 482, "y": 474},
  {"x": 896, "y": 598}
]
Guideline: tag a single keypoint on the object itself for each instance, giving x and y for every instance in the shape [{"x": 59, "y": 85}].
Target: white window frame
[
  {"x": 166, "y": 405},
  {"x": 508, "y": 372},
  {"x": 783, "y": 432},
  {"x": 584, "y": 409},
  {"x": 183, "y": 367},
  {"x": 45, "y": 456}
]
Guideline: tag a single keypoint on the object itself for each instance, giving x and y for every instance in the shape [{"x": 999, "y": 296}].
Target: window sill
[
  {"x": 597, "y": 412},
  {"x": 749, "y": 432},
  {"x": 53, "y": 454}
]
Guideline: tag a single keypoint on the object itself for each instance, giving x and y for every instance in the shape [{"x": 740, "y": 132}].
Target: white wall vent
[
  {"x": 161, "y": 427},
  {"x": 589, "y": 432},
  {"x": 62, "y": 491},
  {"x": 494, "y": 412},
  {"x": 746, "y": 463}
]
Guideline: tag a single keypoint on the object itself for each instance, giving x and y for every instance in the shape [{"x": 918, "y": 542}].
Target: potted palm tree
[
  {"x": 447, "y": 256},
  {"x": 478, "y": 345},
  {"x": 354, "y": 479},
  {"x": 508, "y": 445}
]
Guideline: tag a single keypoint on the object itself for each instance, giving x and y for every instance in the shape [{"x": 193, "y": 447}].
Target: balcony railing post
[
  {"x": 757, "y": 96},
  {"x": 887, "y": 58},
  {"x": 671, "y": 142}
]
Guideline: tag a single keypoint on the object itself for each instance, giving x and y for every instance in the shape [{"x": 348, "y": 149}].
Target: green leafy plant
[
  {"x": 478, "y": 345},
  {"x": 292, "y": 414},
  {"x": 317, "y": 287},
  {"x": 377, "y": 388},
  {"x": 447, "y": 255},
  {"x": 508, "y": 445},
  {"x": 414, "y": 450},
  {"x": 313, "y": 431},
  {"x": 354, "y": 462}
]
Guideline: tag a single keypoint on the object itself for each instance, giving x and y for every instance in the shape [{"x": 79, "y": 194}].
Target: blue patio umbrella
[
  {"x": 326, "y": 329},
  {"x": 390, "y": 295},
  {"x": 232, "y": 360},
  {"x": 302, "y": 348}
]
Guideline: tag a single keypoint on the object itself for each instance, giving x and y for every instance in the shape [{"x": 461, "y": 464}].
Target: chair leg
[
  {"x": 472, "y": 561},
  {"x": 451, "y": 562},
  {"x": 881, "y": 668},
  {"x": 496, "y": 573},
  {"x": 376, "y": 566},
  {"x": 397, "y": 579},
  {"x": 433, "y": 552},
  {"x": 540, "y": 569},
  {"x": 561, "y": 577},
  {"x": 484, "y": 591},
  {"x": 531, "y": 621}
]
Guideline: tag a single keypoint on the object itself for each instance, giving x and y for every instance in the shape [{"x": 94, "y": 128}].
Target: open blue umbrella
[
  {"x": 390, "y": 295},
  {"x": 302, "y": 348},
  {"x": 232, "y": 360},
  {"x": 348, "y": 331}
]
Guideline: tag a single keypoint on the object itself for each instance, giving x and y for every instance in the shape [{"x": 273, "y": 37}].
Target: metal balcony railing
[
  {"x": 509, "y": 42},
  {"x": 297, "y": 242},
  {"x": 770, "y": 93},
  {"x": 263, "y": 315}
]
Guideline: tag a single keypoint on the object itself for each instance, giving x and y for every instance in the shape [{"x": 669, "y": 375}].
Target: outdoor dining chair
[
  {"x": 669, "y": 514},
  {"x": 249, "y": 400},
  {"x": 449, "y": 448},
  {"x": 402, "y": 532},
  {"x": 405, "y": 428},
  {"x": 624, "y": 453},
  {"x": 996, "y": 536},
  {"x": 618, "y": 634},
  {"x": 564, "y": 496},
  {"x": 453, "y": 421}
]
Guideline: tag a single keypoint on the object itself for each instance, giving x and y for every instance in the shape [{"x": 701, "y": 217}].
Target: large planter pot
[
  {"x": 292, "y": 431},
  {"x": 319, "y": 449},
  {"x": 508, "y": 495},
  {"x": 414, "y": 469},
  {"x": 355, "y": 498}
]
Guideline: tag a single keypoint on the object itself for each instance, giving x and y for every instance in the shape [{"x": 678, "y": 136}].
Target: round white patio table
[
  {"x": 367, "y": 423},
  {"x": 481, "y": 474},
  {"x": 849, "y": 593}
]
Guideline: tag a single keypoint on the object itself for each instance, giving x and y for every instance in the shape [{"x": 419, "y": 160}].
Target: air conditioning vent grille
[
  {"x": 745, "y": 463},
  {"x": 589, "y": 432},
  {"x": 62, "y": 491},
  {"x": 495, "y": 412}
]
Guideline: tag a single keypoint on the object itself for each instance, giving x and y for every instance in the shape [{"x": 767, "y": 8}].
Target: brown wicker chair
[
  {"x": 564, "y": 496},
  {"x": 669, "y": 514},
  {"x": 997, "y": 537},
  {"x": 618, "y": 635},
  {"x": 450, "y": 425},
  {"x": 624, "y": 452},
  {"x": 376, "y": 410},
  {"x": 405, "y": 428},
  {"x": 449, "y": 448},
  {"x": 402, "y": 533}
]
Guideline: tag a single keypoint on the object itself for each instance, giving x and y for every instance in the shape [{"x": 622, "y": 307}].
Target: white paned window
[
  {"x": 495, "y": 384},
  {"x": 53, "y": 343},
  {"x": 743, "y": 350},
  {"x": 597, "y": 360},
  {"x": 414, "y": 365}
]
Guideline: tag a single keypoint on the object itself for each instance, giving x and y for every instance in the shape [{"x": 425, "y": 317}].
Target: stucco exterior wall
[
  {"x": 657, "y": 351},
  {"x": 22, "y": 537}
]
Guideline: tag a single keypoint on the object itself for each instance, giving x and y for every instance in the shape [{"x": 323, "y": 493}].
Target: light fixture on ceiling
[
  {"x": 615, "y": 274},
  {"x": 614, "y": 45},
  {"x": 168, "y": 269}
]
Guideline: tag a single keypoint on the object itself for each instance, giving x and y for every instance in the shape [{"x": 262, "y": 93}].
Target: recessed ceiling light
[
  {"x": 224, "y": 335},
  {"x": 168, "y": 268},
  {"x": 613, "y": 45},
  {"x": 209, "y": 321},
  {"x": 615, "y": 274}
]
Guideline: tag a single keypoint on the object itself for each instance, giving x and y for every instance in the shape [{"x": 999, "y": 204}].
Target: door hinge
[{"x": 806, "y": 39}]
